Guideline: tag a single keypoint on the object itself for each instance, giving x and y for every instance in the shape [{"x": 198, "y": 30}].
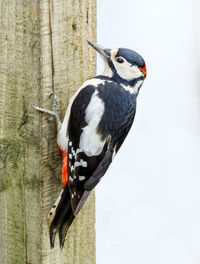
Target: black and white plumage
[{"x": 98, "y": 119}]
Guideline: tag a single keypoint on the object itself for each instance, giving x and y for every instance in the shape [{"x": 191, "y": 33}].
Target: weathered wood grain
[{"x": 43, "y": 49}]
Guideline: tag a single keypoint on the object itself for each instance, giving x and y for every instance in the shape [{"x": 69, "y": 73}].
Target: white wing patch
[
  {"x": 127, "y": 71},
  {"x": 91, "y": 142},
  {"x": 62, "y": 138}
]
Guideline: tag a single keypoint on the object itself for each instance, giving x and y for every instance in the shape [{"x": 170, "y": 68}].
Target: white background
[{"x": 148, "y": 203}]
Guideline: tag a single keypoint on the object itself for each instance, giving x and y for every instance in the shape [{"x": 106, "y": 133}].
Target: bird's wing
[
  {"x": 102, "y": 166},
  {"x": 85, "y": 148},
  {"x": 90, "y": 143}
]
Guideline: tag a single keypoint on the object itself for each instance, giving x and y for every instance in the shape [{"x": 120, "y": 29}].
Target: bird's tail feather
[{"x": 60, "y": 217}]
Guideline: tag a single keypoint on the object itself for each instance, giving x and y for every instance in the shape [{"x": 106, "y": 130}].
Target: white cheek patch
[
  {"x": 90, "y": 142},
  {"x": 127, "y": 71}
]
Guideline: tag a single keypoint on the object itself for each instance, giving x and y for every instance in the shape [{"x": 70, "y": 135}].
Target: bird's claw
[
  {"x": 55, "y": 98},
  {"x": 54, "y": 113}
]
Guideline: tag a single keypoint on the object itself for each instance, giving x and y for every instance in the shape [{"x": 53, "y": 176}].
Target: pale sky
[{"x": 148, "y": 204}]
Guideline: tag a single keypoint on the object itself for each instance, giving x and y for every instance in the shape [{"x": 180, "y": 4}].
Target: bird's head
[{"x": 122, "y": 64}]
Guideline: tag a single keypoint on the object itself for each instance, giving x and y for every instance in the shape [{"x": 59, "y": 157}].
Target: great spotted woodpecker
[{"x": 97, "y": 121}]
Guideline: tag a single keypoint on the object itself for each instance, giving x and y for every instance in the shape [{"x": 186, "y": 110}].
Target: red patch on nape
[
  {"x": 143, "y": 70},
  {"x": 64, "y": 168}
]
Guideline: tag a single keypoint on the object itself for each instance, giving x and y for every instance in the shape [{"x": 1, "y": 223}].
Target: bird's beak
[{"x": 104, "y": 52}]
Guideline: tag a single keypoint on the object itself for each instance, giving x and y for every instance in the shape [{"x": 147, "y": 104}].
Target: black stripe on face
[{"x": 118, "y": 79}]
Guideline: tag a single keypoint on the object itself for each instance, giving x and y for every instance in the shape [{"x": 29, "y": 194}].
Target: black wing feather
[{"x": 114, "y": 126}]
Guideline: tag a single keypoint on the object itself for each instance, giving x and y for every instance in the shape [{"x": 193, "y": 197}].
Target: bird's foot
[{"x": 54, "y": 113}]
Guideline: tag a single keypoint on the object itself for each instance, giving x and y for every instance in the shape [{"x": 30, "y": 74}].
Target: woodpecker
[{"x": 97, "y": 120}]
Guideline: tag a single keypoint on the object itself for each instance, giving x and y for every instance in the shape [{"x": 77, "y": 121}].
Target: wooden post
[{"x": 43, "y": 49}]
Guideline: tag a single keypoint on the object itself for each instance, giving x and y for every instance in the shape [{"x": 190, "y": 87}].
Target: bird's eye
[{"x": 119, "y": 60}]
